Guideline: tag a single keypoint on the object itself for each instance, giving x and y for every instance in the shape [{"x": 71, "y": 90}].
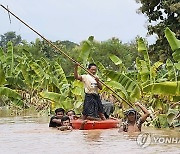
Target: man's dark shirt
[{"x": 53, "y": 124}]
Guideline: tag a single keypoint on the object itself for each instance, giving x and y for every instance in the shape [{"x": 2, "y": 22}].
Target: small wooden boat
[{"x": 104, "y": 124}]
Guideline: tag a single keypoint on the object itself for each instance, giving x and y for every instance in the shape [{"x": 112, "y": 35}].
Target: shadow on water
[{"x": 31, "y": 134}]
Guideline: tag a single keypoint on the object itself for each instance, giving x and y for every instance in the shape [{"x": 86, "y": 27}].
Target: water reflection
[{"x": 92, "y": 136}]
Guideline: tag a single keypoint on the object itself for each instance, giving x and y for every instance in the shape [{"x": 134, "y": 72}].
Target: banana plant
[
  {"x": 73, "y": 100},
  {"x": 5, "y": 91},
  {"x": 168, "y": 87}
]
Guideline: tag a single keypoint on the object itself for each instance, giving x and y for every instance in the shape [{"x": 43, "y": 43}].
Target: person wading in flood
[
  {"x": 133, "y": 122},
  {"x": 55, "y": 121},
  {"x": 92, "y": 104}
]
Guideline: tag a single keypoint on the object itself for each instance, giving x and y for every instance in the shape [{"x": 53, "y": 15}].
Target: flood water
[{"x": 31, "y": 135}]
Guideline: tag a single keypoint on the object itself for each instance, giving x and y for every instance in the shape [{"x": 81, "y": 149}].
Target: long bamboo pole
[{"x": 55, "y": 47}]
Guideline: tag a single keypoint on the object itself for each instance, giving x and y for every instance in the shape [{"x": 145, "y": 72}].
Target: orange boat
[{"x": 105, "y": 124}]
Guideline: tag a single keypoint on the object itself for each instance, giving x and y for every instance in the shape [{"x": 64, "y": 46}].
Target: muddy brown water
[{"x": 31, "y": 135}]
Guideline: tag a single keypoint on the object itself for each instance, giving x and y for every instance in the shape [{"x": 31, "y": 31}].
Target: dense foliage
[
  {"x": 161, "y": 14},
  {"x": 34, "y": 75}
]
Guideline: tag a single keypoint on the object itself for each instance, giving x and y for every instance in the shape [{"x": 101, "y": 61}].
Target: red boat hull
[{"x": 105, "y": 124}]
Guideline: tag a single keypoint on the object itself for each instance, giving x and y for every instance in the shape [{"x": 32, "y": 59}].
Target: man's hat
[{"x": 130, "y": 111}]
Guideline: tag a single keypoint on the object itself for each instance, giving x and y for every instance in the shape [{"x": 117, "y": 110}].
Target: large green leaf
[
  {"x": 86, "y": 49},
  {"x": 27, "y": 74},
  {"x": 44, "y": 62},
  {"x": 78, "y": 88},
  {"x": 176, "y": 55},
  {"x": 38, "y": 70},
  {"x": 100, "y": 66},
  {"x": 52, "y": 96},
  {"x": 130, "y": 85},
  {"x": 165, "y": 88},
  {"x": 143, "y": 50},
  {"x": 67, "y": 104},
  {"x": 141, "y": 45},
  {"x": 59, "y": 73},
  {"x": 143, "y": 70},
  {"x": 154, "y": 68},
  {"x": 115, "y": 59},
  {"x": 173, "y": 41},
  {"x": 9, "y": 93},
  {"x": 16, "y": 82},
  {"x": 177, "y": 65},
  {"x": 118, "y": 87},
  {"x": 60, "y": 100}
]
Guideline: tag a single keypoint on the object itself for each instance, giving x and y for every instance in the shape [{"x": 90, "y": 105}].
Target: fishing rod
[{"x": 55, "y": 47}]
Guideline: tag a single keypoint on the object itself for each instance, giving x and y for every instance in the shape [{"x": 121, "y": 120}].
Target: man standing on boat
[{"x": 92, "y": 104}]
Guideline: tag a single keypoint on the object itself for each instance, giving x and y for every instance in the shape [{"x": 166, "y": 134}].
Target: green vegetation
[
  {"x": 161, "y": 14},
  {"x": 33, "y": 75}
]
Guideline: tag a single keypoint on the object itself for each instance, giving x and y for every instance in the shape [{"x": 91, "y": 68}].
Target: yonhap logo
[{"x": 145, "y": 139}]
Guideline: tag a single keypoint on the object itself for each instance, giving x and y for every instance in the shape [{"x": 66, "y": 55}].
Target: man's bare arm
[
  {"x": 64, "y": 128},
  {"x": 146, "y": 112},
  {"x": 76, "y": 76},
  {"x": 58, "y": 121}
]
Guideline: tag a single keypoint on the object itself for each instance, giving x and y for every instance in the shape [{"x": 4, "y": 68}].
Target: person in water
[
  {"x": 72, "y": 115},
  {"x": 92, "y": 107},
  {"x": 55, "y": 121},
  {"x": 65, "y": 124},
  {"x": 133, "y": 122}
]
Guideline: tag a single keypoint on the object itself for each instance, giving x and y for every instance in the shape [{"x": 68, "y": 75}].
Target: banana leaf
[
  {"x": 165, "y": 88},
  {"x": 143, "y": 50},
  {"x": 117, "y": 86},
  {"x": 59, "y": 73},
  {"x": 16, "y": 82},
  {"x": 67, "y": 104},
  {"x": 38, "y": 70},
  {"x": 115, "y": 59},
  {"x": 85, "y": 50},
  {"x": 128, "y": 84},
  {"x": 78, "y": 88},
  {"x": 101, "y": 68},
  {"x": 177, "y": 65},
  {"x": 55, "y": 97},
  {"x": 154, "y": 69},
  {"x": 9, "y": 93},
  {"x": 28, "y": 76},
  {"x": 173, "y": 41}
]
